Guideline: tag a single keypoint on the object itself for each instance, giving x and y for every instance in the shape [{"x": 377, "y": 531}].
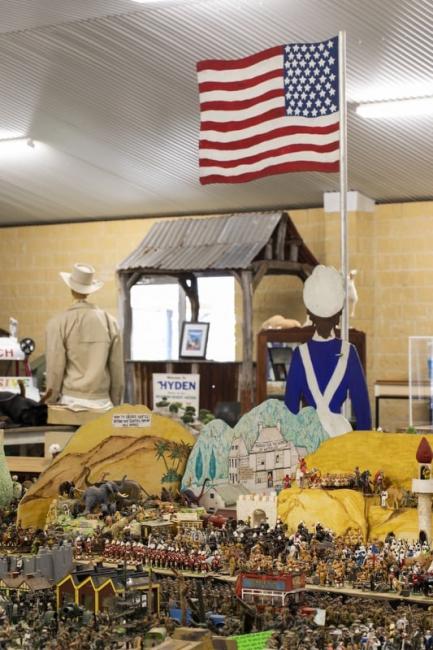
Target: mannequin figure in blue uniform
[{"x": 326, "y": 370}]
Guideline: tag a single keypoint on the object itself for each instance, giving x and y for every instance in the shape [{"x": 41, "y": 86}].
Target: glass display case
[{"x": 421, "y": 382}]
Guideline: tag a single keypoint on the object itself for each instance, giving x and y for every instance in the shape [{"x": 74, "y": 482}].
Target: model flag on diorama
[{"x": 273, "y": 112}]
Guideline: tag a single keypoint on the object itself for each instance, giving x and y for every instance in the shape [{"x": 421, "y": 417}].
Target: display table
[
  {"x": 32, "y": 445},
  {"x": 61, "y": 415},
  {"x": 397, "y": 389}
]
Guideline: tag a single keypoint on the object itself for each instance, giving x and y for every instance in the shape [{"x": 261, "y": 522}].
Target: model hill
[
  {"x": 153, "y": 455},
  {"x": 340, "y": 510},
  {"x": 210, "y": 456}
]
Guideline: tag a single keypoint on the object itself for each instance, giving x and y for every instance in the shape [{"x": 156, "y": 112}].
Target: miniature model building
[
  {"x": 97, "y": 588},
  {"x": 423, "y": 487},
  {"x": 267, "y": 463},
  {"x": 257, "y": 453},
  {"x": 50, "y": 563}
]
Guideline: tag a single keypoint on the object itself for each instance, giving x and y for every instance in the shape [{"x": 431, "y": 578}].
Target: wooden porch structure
[{"x": 247, "y": 246}]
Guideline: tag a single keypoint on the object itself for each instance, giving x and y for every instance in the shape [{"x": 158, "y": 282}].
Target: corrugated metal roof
[
  {"x": 224, "y": 242},
  {"x": 109, "y": 87}
]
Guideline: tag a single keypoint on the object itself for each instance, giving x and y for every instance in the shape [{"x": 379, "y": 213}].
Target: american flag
[{"x": 270, "y": 113}]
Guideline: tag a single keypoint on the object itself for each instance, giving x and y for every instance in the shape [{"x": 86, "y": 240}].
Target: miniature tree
[
  {"x": 212, "y": 466},
  {"x": 199, "y": 465}
]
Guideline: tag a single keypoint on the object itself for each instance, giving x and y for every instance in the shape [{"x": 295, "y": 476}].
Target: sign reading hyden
[
  {"x": 122, "y": 420},
  {"x": 167, "y": 389}
]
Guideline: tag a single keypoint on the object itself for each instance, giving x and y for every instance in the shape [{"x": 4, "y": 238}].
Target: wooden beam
[
  {"x": 246, "y": 387},
  {"x": 133, "y": 279},
  {"x": 189, "y": 284},
  {"x": 281, "y": 237},
  {"x": 27, "y": 464},
  {"x": 126, "y": 325},
  {"x": 262, "y": 269},
  {"x": 284, "y": 266}
]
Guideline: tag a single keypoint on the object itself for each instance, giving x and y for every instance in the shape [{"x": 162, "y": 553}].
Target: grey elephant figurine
[{"x": 102, "y": 496}]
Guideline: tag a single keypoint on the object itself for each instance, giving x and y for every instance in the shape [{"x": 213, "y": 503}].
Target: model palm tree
[{"x": 161, "y": 447}]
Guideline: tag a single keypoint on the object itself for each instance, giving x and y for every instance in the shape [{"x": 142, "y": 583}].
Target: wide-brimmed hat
[
  {"x": 82, "y": 279},
  {"x": 324, "y": 291}
]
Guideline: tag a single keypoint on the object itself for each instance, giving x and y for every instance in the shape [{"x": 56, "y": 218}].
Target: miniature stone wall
[
  {"x": 53, "y": 564},
  {"x": 249, "y": 506}
]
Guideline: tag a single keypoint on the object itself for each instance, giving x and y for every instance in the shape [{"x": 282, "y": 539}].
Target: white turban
[{"x": 324, "y": 291}]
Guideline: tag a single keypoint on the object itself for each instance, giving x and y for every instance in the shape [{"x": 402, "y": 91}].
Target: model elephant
[
  {"x": 102, "y": 496},
  {"x": 131, "y": 488}
]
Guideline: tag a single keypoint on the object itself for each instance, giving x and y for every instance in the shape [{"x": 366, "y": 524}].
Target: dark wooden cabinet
[
  {"x": 219, "y": 381},
  {"x": 266, "y": 387}
]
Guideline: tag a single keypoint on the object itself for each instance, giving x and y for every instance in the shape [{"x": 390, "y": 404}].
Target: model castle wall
[
  {"x": 249, "y": 506},
  {"x": 54, "y": 564}
]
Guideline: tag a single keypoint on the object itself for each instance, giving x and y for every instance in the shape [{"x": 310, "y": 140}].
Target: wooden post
[
  {"x": 246, "y": 388},
  {"x": 281, "y": 237},
  {"x": 190, "y": 286},
  {"x": 126, "y": 325}
]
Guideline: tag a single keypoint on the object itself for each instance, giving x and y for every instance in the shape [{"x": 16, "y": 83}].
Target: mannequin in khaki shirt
[{"x": 84, "y": 349}]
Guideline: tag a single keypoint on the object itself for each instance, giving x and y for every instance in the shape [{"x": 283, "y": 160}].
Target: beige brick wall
[
  {"x": 279, "y": 294},
  {"x": 32, "y": 257},
  {"x": 391, "y": 249}
]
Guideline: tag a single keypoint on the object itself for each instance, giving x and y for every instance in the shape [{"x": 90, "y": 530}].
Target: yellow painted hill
[
  {"x": 339, "y": 510},
  {"x": 107, "y": 449},
  {"x": 394, "y": 453}
]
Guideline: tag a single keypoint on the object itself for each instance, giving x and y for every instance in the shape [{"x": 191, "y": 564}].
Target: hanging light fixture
[{"x": 395, "y": 108}]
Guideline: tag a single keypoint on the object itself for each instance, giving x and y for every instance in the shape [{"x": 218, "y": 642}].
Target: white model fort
[{"x": 423, "y": 487}]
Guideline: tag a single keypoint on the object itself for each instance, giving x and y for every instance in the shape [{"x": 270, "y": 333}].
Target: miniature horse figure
[{"x": 364, "y": 482}]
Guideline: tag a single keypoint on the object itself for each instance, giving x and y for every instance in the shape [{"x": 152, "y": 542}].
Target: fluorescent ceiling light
[
  {"x": 16, "y": 147},
  {"x": 7, "y": 134},
  {"x": 396, "y": 108}
]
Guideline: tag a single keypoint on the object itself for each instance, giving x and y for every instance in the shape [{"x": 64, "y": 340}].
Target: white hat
[
  {"x": 324, "y": 291},
  {"x": 81, "y": 279},
  {"x": 54, "y": 449}
]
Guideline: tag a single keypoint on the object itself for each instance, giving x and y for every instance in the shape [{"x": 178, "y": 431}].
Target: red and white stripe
[{"x": 244, "y": 130}]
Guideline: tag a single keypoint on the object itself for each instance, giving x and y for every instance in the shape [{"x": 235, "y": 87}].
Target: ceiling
[{"x": 107, "y": 90}]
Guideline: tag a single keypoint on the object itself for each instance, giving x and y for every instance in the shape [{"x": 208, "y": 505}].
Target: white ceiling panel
[{"x": 108, "y": 87}]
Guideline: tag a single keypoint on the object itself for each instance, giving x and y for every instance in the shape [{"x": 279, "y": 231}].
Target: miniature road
[
  {"x": 378, "y": 595},
  {"x": 345, "y": 591}
]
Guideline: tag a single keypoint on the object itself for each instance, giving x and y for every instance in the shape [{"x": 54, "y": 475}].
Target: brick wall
[
  {"x": 32, "y": 257},
  {"x": 391, "y": 248}
]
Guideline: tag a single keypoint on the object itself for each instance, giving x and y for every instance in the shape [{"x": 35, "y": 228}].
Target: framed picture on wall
[
  {"x": 193, "y": 340},
  {"x": 280, "y": 358}
]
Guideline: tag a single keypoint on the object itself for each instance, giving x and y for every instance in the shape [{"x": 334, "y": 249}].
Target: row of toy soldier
[{"x": 166, "y": 556}]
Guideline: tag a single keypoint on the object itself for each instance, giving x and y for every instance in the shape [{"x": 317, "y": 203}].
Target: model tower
[{"x": 423, "y": 487}]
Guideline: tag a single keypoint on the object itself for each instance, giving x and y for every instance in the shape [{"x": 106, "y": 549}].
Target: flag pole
[{"x": 343, "y": 180}]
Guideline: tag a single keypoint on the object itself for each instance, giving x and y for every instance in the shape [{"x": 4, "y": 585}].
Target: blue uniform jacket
[{"x": 324, "y": 357}]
